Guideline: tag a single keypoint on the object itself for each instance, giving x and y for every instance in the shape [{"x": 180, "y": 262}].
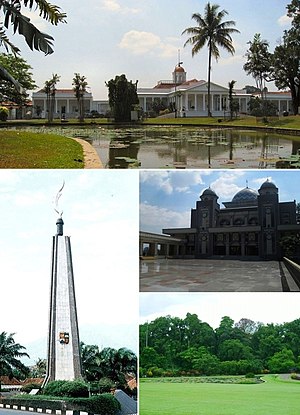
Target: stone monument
[{"x": 64, "y": 362}]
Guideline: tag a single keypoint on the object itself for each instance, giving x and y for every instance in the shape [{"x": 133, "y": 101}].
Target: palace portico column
[
  {"x": 186, "y": 101},
  {"x": 195, "y": 101},
  {"x": 203, "y": 102}
]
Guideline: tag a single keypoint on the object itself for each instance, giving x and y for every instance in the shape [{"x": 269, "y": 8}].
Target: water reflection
[
  {"x": 183, "y": 147},
  {"x": 161, "y": 147}
]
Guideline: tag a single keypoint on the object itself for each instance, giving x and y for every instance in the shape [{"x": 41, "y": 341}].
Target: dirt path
[{"x": 91, "y": 158}]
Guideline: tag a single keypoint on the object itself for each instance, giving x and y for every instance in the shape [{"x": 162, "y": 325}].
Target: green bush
[
  {"x": 3, "y": 114},
  {"x": 72, "y": 389},
  {"x": 105, "y": 404},
  {"x": 249, "y": 375},
  {"x": 27, "y": 388},
  {"x": 105, "y": 385}
]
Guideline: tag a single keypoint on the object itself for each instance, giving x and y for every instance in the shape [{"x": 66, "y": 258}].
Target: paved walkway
[
  {"x": 212, "y": 275},
  {"x": 91, "y": 158}
]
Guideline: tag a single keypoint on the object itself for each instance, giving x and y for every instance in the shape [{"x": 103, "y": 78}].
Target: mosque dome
[
  {"x": 268, "y": 185},
  {"x": 208, "y": 192},
  {"x": 245, "y": 195}
]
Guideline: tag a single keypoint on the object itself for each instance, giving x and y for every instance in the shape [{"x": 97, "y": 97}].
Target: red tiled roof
[
  {"x": 37, "y": 381},
  {"x": 5, "y": 380}
]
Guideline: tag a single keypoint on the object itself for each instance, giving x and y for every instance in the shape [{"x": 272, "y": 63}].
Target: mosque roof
[
  {"x": 268, "y": 184},
  {"x": 208, "y": 192},
  {"x": 245, "y": 195}
]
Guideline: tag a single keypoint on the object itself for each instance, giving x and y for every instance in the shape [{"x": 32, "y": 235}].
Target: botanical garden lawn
[
  {"x": 19, "y": 149},
  {"x": 274, "y": 397},
  {"x": 290, "y": 122}
]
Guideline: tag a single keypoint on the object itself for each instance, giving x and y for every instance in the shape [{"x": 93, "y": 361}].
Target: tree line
[{"x": 171, "y": 346}]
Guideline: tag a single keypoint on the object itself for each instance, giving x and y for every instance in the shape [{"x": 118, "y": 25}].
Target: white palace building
[{"x": 188, "y": 96}]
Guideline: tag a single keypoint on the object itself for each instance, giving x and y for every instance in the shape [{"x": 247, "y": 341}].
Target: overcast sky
[
  {"x": 141, "y": 39},
  {"x": 211, "y": 307},
  {"x": 167, "y": 197},
  {"x": 100, "y": 212}
]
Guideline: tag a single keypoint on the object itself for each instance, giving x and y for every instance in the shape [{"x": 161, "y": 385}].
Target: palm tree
[
  {"x": 10, "y": 352},
  {"x": 116, "y": 364},
  {"x": 79, "y": 88},
  {"x": 50, "y": 91},
  {"x": 211, "y": 30},
  {"x": 90, "y": 359},
  {"x": 13, "y": 17}
]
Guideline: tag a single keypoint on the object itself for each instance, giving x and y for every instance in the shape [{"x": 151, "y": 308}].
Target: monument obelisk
[{"x": 64, "y": 362}]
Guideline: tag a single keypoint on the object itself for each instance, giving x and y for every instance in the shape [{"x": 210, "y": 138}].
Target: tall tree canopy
[
  {"x": 283, "y": 65},
  {"x": 20, "y": 70},
  {"x": 258, "y": 61},
  {"x": 79, "y": 87},
  {"x": 122, "y": 96},
  {"x": 50, "y": 91},
  {"x": 171, "y": 345},
  {"x": 212, "y": 31}
]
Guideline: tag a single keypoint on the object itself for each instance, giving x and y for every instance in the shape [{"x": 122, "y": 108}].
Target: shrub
[
  {"x": 105, "y": 385},
  {"x": 249, "y": 375},
  {"x": 27, "y": 388},
  {"x": 105, "y": 404},
  {"x": 73, "y": 389},
  {"x": 3, "y": 114}
]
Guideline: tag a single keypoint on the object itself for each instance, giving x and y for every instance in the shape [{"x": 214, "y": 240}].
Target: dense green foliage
[
  {"x": 108, "y": 367},
  {"x": 122, "y": 97},
  {"x": 72, "y": 389},
  {"x": 170, "y": 346},
  {"x": 79, "y": 87},
  {"x": 105, "y": 404},
  {"x": 261, "y": 108},
  {"x": 10, "y": 355},
  {"x": 281, "y": 66},
  {"x": 14, "y": 15},
  {"x": 20, "y": 70}
]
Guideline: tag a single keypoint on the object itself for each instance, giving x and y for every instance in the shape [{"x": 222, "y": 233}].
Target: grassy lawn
[
  {"x": 275, "y": 397},
  {"x": 290, "y": 122},
  {"x": 19, "y": 149}
]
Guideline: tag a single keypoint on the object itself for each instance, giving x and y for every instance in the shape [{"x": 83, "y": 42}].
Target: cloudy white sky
[
  {"x": 211, "y": 307},
  {"x": 141, "y": 39},
  {"x": 101, "y": 216},
  {"x": 167, "y": 197}
]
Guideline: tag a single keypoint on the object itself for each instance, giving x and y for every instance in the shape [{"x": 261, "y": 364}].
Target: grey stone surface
[
  {"x": 197, "y": 275},
  {"x": 63, "y": 345}
]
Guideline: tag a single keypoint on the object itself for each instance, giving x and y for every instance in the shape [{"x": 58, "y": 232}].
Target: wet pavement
[{"x": 197, "y": 275}]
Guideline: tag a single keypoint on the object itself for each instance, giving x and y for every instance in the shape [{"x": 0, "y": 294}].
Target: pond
[{"x": 184, "y": 147}]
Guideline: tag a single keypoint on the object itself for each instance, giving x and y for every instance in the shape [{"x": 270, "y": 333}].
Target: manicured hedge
[
  {"x": 73, "y": 389},
  {"x": 104, "y": 404}
]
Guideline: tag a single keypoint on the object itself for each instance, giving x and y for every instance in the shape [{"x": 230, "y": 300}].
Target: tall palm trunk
[{"x": 208, "y": 82}]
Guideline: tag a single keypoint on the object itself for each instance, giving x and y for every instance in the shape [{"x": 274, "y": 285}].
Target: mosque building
[{"x": 250, "y": 225}]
